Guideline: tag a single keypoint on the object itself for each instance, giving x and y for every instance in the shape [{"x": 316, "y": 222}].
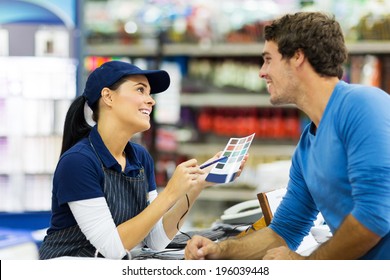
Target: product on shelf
[{"x": 278, "y": 124}]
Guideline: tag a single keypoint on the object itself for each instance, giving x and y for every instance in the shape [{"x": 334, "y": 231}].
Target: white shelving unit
[
  {"x": 215, "y": 50},
  {"x": 235, "y": 100},
  {"x": 34, "y": 105},
  {"x": 39, "y": 53}
]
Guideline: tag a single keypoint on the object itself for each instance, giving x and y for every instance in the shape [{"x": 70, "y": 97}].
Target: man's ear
[
  {"x": 106, "y": 96},
  {"x": 299, "y": 57}
]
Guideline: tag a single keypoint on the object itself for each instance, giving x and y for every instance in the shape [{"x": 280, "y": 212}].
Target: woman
[{"x": 104, "y": 200}]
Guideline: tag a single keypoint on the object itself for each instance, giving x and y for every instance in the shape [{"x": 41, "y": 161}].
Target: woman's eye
[{"x": 141, "y": 90}]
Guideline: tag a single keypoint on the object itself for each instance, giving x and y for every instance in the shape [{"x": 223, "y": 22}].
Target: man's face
[{"x": 278, "y": 75}]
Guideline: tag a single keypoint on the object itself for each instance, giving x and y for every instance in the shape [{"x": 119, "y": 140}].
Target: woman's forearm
[{"x": 176, "y": 216}]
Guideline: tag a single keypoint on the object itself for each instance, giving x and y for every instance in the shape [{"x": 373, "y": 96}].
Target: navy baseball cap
[{"x": 112, "y": 71}]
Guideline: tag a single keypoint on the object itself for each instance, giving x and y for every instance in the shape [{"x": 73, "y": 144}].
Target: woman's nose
[{"x": 151, "y": 100}]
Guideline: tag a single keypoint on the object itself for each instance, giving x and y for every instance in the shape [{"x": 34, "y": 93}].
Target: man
[{"x": 341, "y": 166}]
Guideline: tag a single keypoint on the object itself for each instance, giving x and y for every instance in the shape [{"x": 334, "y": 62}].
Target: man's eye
[
  {"x": 261, "y": 62},
  {"x": 266, "y": 60}
]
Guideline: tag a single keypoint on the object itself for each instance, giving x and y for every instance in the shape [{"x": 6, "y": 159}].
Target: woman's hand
[
  {"x": 242, "y": 165},
  {"x": 184, "y": 178}
]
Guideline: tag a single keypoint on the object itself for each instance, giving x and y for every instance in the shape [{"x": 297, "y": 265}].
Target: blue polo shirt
[{"x": 79, "y": 175}]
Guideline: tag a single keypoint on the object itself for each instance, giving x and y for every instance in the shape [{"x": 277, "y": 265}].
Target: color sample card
[{"x": 225, "y": 171}]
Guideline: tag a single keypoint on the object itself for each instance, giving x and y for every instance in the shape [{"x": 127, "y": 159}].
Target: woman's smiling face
[{"x": 133, "y": 103}]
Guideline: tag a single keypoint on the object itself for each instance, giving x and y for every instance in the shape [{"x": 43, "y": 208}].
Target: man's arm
[
  {"x": 251, "y": 246},
  {"x": 351, "y": 241}
]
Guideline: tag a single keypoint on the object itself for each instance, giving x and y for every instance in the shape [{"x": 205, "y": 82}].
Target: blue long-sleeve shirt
[{"x": 341, "y": 168}]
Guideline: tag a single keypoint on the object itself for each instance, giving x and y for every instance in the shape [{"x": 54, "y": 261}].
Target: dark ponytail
[{"x": 76, "y": 126}]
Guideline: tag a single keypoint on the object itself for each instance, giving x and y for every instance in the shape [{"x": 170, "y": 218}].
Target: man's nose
[{"x": 262, "y": 73}]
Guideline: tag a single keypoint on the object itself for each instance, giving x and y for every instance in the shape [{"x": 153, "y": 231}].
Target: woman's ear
[{"x": 106, "y": 96}]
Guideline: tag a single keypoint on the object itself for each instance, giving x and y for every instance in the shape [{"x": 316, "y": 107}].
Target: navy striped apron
[{"x": 126, "y": 197}]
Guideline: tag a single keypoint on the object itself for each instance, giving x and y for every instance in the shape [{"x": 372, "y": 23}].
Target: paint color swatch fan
[{"x": 226, "y": 169}]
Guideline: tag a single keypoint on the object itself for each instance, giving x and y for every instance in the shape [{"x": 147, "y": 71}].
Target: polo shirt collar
[{"x": 106, "y": 157}]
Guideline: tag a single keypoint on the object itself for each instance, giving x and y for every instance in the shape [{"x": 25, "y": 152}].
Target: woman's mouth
[{"x": 145, "y": 111}]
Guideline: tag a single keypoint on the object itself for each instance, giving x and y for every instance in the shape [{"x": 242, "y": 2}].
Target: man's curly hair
[{"x": 318, "y": 35}]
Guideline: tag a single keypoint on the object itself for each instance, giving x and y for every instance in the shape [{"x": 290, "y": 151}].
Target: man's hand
[{"x": 201, "y": 248}]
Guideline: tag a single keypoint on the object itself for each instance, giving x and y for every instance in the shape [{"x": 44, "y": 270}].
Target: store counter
[{"x": 17, "y": 245}]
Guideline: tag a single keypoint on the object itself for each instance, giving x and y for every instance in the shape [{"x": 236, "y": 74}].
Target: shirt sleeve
[
  {"x": 157, "y": 239},
  {"x": 366, "y": 132},
  {"x": 297, "y": 212},
  {"x": 77, "y": 177},
  {"x": 96, "y": 223}
]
